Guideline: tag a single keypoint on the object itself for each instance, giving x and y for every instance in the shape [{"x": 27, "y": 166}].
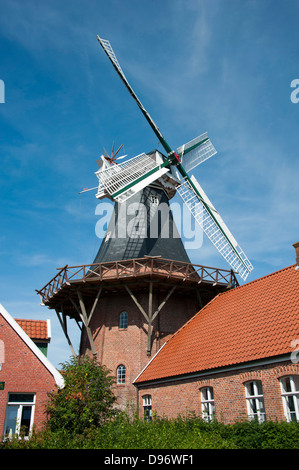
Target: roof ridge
[{"x": 30, "y": 319}]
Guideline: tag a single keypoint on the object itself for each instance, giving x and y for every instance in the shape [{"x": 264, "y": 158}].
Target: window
[
  {"x": 154, "y": 199},
  {"x": 207, "y": 403},
  {"x": 255, "y": 400},
  {"x": 19, "y": 413},
  {"x": 147, "y": 407},
  {"x": 290, "y": 397},
  {"x": 123, "y": 320},
  {"x": 121, "y": 374}
]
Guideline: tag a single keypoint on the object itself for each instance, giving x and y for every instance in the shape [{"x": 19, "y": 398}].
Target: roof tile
[
  {"x": 35, "y": 329},
  {"x": 253, "y": 321}
]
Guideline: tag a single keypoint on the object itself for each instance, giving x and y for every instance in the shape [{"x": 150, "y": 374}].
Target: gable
[{"x": 24, "y": 340}]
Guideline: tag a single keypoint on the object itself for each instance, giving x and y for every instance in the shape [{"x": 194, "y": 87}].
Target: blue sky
[{"x": 224, "y": 66}]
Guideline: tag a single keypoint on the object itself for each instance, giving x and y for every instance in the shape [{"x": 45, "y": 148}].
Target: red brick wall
[
  {"x": 22, "y": 372},
  {"x": 183, "y": 396},
  {"x": 129, "y": 347}
]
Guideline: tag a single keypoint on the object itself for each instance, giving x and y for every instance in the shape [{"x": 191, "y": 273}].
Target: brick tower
[{"x": 140, "y": 289}]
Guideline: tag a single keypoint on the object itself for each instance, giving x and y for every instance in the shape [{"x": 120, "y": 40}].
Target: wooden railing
[{"x": 148, "y": 266}]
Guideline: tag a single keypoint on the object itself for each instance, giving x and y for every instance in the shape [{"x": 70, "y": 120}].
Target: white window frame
[
  {"x": 290, "y": 396},
  {"x": 147, "y": 407},
  {"x": 207, "y": 403},
  {"x": 20, "y": 404},
  {"x": 255, "y": 400},
  {"x": 121, "y": 373}
]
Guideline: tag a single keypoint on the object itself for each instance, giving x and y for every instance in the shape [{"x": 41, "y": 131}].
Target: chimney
[{"x": 296, "y": 246}]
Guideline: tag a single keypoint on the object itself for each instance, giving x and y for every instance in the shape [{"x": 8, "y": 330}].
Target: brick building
[
  {"x": 26, "y": 375},
  {"x": 138, "y": 291},
  {"x": 140, "y": 298},
  {"x": 120, "y": 333},
  {"x": 236, "y": 358}
]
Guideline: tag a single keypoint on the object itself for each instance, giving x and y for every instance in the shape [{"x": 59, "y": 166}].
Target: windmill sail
[
  {"x": 212, "y": 224},
  {"x": 120, "y": 186},
  {"x": 110, "y": 53},
  {"x": 122, "y": 181},
  {"x": 196, "y": 151}
]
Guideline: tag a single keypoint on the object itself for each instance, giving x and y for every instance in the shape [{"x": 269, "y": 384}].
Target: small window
[
  {"x": 207, "y": 403},
  {"x": 154, "y": 199},
  {"x": 123, "y": 320},
  {"x": 255, "y": 400},
  {"x": 19, "y": 414},
  {"x": 121, "y": 374},
  {"x": 290, "y": 397},
  {"x": 147, "y": 407}
]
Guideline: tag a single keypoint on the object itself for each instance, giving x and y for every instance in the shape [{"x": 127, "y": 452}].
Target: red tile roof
[
  {"x": 35, "y": 329},
  {"x": 253, "y": 321}
]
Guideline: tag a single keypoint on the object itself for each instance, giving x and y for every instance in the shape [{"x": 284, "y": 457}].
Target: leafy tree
[{"x": 86, "y": 400}]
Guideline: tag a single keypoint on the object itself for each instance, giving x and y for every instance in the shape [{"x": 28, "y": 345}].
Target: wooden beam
[
  {"x": 76, "y": 306},
  {"x": 64, "y": 328},
  {"x": 84, "y": 319},
  {"x": 79, "y": 326},
  {"x": 199, "y": 298},
  {"x": 150, "y": 318},
  {"x": 137, "y": 303},
  {"x": 163, "y": 303},
  {"x": 94, "y": 305}
]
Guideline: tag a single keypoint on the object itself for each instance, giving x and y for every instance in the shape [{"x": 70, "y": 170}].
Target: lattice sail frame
[
  {"x": 196, "y": 152},
  {"x": 123, "y": 180},
  {"x": 214, "y": 227},
  {"x": 110, "y": 52}
]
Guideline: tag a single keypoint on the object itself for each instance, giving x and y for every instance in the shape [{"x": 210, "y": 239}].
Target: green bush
[
  {"x": 191, "y": 432},
  {"x": 86, "y": 400},
  {"x": 267, "y": 435},
  {"x": 82, "y": 416}
]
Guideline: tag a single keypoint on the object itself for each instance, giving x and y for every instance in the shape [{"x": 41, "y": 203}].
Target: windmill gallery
[{"x": 142, "y": 291}]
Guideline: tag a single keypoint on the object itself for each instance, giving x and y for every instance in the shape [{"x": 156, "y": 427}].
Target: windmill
[
  {"x": 107, "y": 160},
  {"x": 122, "y": 181}
]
